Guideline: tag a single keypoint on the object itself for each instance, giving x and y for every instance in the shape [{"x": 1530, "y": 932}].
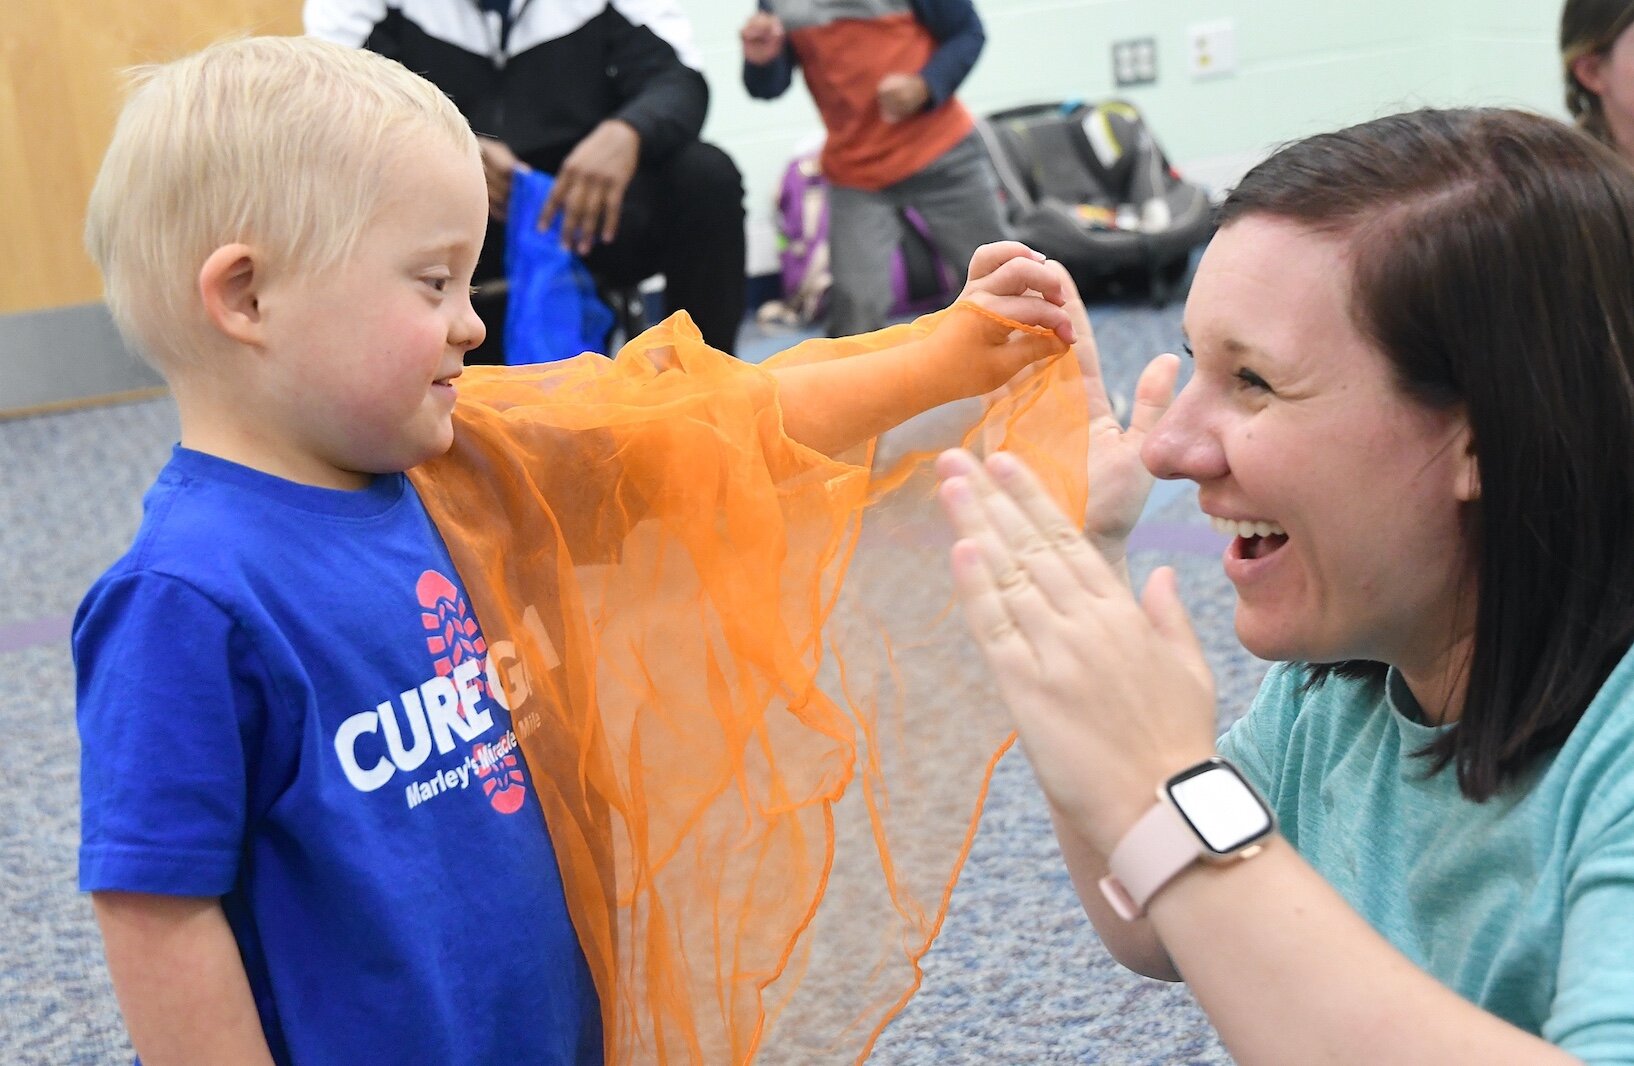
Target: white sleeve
[{"x": 347, "y": 22}]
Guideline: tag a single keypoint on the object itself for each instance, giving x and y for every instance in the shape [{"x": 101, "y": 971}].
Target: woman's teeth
[{"x": 1233, "y": 528}]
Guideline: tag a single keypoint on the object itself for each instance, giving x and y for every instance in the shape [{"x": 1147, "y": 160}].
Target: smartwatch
[{"x": 1208, "y": 812}]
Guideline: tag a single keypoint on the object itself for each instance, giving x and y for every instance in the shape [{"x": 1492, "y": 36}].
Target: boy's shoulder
[{"x": 216, "y": 526}]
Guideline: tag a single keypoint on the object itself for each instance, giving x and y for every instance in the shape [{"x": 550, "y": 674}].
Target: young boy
[{"x": 306, "y": 829}]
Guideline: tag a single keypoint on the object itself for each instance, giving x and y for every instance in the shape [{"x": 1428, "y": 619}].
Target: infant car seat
[{"x": 1088, "y": 186}]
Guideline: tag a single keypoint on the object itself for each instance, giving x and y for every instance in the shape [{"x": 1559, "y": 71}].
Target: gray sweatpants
[{"x": 955, "y": 195}]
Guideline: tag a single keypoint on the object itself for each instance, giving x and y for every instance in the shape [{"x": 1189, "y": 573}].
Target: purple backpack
[{"x": 920, "y": 281}]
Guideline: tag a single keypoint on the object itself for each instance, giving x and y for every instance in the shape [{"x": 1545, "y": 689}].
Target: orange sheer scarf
[{"x": 759, "y": 735}]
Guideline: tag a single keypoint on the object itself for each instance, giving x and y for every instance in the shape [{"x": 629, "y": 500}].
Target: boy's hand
[
  {"x": 1011, "y": 281},
  {"x": 902, "y": 96},
  {"x": 763, "y": 38}
]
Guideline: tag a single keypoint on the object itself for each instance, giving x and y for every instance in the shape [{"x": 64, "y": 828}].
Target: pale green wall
[{"x": 1302, "y": 67}]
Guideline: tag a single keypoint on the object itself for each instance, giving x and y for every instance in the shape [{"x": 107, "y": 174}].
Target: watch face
[{"x": 1223, "y": 811}]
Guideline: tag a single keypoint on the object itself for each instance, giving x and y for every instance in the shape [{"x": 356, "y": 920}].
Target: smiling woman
[{"x": 1413, "y": 411}]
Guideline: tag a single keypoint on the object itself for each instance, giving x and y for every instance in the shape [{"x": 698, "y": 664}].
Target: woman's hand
[
  {"x": 1118, "y": 481},
  {"x": 1110, "y": 696}
]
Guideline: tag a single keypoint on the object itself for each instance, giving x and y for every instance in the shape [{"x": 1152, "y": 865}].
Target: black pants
[{"x": 682, "y": 218}]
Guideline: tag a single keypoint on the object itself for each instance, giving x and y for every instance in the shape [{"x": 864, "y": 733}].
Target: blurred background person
[
  {"x": 883, "y": 74},
  {"x": 1597, "y": 52},
  {"x": 605, "y": 95}
]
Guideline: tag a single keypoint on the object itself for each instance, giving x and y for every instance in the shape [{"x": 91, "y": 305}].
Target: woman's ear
[
  {"x": 229, "y": 287},
  {"x": 1467, "y": 488},
  {"x": 1586, "y": 69}
]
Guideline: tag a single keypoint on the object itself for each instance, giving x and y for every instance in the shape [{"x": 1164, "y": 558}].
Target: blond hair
[{"x": 277, "y": 142}]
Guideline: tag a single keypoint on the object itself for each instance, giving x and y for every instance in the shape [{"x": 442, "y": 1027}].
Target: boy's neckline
[{"x": 382, "y": 493}]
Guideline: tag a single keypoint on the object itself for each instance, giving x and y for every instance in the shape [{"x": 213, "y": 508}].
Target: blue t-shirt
[
  {"x": 1524, "y": 904},
  {"x": 285, "y": 701}
]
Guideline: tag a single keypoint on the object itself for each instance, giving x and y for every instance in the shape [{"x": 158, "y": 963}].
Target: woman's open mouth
[{"x": 1254, "y": 540}]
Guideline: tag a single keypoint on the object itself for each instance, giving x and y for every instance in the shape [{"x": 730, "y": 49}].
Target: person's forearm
[
  {"x": 1133, "y": 944},
  {"x": 1289, "y": 973},
  {"x": 768, "y": 81},
  {"x": 180, "y": 981},
  {"x": 834, "y": 405},
  {"x": 959, "y": 35}
]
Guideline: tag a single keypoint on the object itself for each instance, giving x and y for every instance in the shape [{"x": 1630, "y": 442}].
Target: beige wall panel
[{"x": 59, "y": 92}]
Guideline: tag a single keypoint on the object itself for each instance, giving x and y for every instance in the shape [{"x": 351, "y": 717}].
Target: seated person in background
[
  {"x": 1413, "y": 410},
  {"x": 307, "y": 824},
  {"x": 1597, "y": 52},
  {"x": 883, "y": 75},
  {"x": 606, "y": 96}
]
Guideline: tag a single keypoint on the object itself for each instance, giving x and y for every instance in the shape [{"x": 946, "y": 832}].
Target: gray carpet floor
[{"x": 1016, "y": 977}]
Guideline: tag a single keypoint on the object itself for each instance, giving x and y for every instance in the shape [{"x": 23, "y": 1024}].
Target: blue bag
[{"x": 553, "y": 311}]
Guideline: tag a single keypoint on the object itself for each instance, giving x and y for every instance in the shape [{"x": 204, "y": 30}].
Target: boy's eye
[{"x": 440, "y": 284}]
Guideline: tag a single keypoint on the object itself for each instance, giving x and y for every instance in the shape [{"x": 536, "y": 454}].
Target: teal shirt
[{"x": 1524, "y": 904}]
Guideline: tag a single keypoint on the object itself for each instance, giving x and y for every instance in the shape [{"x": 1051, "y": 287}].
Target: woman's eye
[{"x": 1251, "y": 380}]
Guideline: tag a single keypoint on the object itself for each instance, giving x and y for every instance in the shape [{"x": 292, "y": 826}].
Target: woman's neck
[{"x": 1441, "y": 684}]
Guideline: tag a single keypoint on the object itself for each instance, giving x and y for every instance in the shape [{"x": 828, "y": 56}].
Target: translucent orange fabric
[{"x": 759, "y": 734}]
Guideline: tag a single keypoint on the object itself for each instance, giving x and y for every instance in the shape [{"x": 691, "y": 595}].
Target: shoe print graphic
[
  {"x": 453, "y": 637},
  {"x": 502, "y": 780}
]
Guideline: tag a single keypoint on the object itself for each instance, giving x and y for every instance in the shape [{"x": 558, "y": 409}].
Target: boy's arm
[
  {"x": 766, "y": 79},
  {"x": 180, "y": 979},
  {"x": 959, "y": 41},
  {"x": 831, "y": 406}
]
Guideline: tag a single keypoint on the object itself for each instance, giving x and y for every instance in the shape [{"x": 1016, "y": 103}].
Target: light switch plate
[{"x": 1211, "y": 49}]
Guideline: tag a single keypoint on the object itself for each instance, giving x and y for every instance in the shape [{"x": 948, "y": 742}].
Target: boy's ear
[
  {"x": 229, "y": 285},
  {"x": 1586, "y": 69}
]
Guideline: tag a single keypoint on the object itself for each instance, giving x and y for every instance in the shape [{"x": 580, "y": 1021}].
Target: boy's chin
[{"x": 436, "y": 447}]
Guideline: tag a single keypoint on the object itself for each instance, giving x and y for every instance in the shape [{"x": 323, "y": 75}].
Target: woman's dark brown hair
[
  {"x": 1590, "y": 27},
  {"x": 1492, "y": 258}
]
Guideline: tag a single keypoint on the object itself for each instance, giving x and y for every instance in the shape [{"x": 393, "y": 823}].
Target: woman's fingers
[
  {"x": 1161, "y": 603},
  {"x": 1037, "y": 586},
  {"x": 989, "y": 617},
  {"x": 1023, "y": 488},
  {"x": 1018, "y": 519},
  {"x": 1154, "y": 392}
]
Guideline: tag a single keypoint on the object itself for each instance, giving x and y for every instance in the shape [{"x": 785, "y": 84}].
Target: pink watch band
[{"x": 1151, "y": 853}]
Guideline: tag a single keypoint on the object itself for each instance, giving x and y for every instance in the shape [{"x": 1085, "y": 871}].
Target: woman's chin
[{"x": 1274, "y": 640}]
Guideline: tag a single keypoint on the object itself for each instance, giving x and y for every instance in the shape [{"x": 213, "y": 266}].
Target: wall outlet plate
[
  {"x": 1211, "y": 49},
  {"x": 1134, "y": 61}
]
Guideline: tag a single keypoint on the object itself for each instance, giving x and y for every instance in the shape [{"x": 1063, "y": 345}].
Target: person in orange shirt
[{"x": 883, "y": 74}]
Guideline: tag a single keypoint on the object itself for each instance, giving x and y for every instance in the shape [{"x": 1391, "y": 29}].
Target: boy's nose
[{"x": 468, "y": 330}]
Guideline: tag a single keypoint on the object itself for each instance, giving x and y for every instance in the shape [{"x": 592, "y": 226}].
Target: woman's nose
[{"x": 1184, "y": 443}]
